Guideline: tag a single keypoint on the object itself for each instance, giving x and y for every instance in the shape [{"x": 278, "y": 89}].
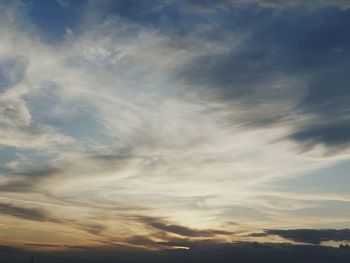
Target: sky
[{"x": 173, "y": 125}]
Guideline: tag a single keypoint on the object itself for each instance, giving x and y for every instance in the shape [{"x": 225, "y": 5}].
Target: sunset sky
[{"x": 157, "y": 124}]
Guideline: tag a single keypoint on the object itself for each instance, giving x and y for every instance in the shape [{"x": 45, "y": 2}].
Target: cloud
[
  {"x": 313, "y": 236},
  {"x": 95, "y": 229},
  {"x": 17, "y": 129},
  {"x": 43, "y": 216},
  {"x": 186, "y": 231},
  {"x": 15, "y": 175},
  {"x": 283, "y": 71},
  {"x": 331, "y": 134},
  {"x": 226, "y": 5},
  {"x": 12, "y": 71},
  {"x": 187, "y": 116},
  {"x": 296, "y": 3},
  {"x": 16, "y": 186},
  {"x": 24, "y": 213},
  {"x": 41, "y": 173}
]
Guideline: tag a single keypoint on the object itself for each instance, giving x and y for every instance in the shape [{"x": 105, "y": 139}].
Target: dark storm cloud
[{"x": 312, "y": 236}]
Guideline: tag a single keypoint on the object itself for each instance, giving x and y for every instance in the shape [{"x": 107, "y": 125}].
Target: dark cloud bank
[{"x": 312, "y": 236}]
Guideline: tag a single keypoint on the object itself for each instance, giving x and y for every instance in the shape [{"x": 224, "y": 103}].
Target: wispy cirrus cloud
[{"x": 188, "y": 116}]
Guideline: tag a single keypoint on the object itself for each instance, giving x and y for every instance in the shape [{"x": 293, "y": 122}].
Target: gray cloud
[
  {"x": 18, "y": 178},
  {"x": 211, "y": 6},
  {"x": 312, "y": 236},
  {"x": 39, "y": 172},
  {"x": 182, "y": 230},
  {"x": 186, "y": 231},
  {"x": 22, "y": 186},
  {"x": 95, "y": 229},
  {"x": 288, "y": 66},
  {"x": 41, "y": 215},
  {"x": 12, "y": 71},
  {"x": 25, "y": 213},
  {"x": 333, "y": 134}
]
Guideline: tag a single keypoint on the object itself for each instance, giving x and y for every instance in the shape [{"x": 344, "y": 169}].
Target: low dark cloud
[
  {"x": 43, "y": 216},
  {"x": 43, "y": 172},
  {"x": 333, "y": 134},
  {"x": 312, "y": 236},
  {"x": 23, "y": 186},
  {"x": 18, "y": 178},
  {"x": 95, "y": 229},
  {"x": 181, "y": 230},
  {"x": 24, "y": 213},
  {"x": 186, "y": 231}
]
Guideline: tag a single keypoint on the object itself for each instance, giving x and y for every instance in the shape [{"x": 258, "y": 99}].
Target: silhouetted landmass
[{"x": 238, "y": 252}]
